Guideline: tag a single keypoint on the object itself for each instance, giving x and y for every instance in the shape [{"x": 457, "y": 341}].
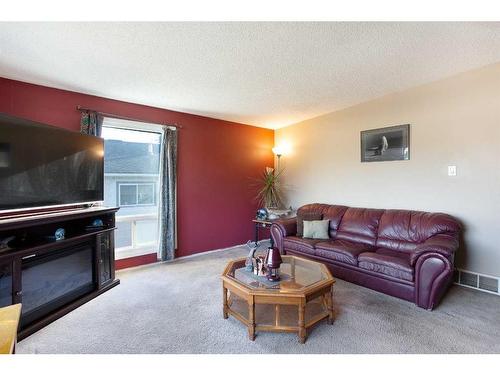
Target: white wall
[{"x": 455, "y": 121}]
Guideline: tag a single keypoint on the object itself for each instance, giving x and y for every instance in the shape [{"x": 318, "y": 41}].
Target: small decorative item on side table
[
  {"x": 261, "y": 214},
  {"x": 273, "y": 262}
]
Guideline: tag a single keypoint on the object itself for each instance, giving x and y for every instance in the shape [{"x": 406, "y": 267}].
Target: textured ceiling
[{"x": 264, "y": 74}]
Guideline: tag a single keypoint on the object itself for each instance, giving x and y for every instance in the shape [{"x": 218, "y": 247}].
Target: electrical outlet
[{"x": 452, "y": 170}]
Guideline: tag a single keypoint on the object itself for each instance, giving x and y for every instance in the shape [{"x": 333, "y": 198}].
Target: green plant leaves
[{"x": 269, "y": 192}]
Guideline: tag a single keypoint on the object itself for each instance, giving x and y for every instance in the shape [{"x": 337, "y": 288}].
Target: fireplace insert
[{"x": 52, "y": 280}]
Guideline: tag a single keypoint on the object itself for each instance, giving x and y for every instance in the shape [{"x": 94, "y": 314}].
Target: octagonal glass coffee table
[{"x": 301, "y": 299}]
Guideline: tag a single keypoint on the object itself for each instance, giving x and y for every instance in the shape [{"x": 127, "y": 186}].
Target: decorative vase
[{"x": 261, "y": 214}]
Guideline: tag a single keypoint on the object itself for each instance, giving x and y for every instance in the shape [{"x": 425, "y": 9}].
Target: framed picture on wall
[{"x": 386, "y": 144}]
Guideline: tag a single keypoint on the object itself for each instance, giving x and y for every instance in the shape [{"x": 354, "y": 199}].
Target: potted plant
[{"x": 270, "y": 193}]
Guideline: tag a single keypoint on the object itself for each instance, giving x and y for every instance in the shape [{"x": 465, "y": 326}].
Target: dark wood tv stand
[{"x": 88, "y": 249}]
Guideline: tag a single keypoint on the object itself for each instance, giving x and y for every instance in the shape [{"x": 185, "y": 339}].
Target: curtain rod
[{"x": 80, "y": 108}]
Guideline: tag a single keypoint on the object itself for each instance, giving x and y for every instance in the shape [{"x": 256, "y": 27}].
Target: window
[
  {"x": 136, "y": 194},
  {"x": 131, "y": 180}
]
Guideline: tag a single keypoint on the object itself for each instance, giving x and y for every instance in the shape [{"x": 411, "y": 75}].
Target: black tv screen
[{"x": 41, "y": 165}]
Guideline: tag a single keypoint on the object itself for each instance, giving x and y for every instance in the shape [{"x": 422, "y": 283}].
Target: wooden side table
[
  {"x": 266, "y": 223},
  {"x": 9, "y": 322}
]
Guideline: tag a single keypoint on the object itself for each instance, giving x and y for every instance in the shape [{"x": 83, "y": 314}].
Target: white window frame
[
  {"x": 134, "y": 249},
  {"x": 136, "y": 184}
]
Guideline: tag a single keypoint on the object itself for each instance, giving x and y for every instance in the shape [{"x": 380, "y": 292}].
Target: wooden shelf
[{"x": 47, "y": 244}]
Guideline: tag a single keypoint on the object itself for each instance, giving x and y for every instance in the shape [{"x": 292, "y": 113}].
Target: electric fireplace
[
  {"x": 52, "y": 280},
  {"x": 49, "y": 276}
]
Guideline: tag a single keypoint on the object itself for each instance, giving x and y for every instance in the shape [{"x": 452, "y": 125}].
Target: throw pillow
[
  {"x": 316, "y": 229},
  {"x": 306, "y": 216}
]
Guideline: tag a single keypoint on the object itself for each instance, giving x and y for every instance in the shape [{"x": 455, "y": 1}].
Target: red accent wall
[{"x": 217, "y": 159}]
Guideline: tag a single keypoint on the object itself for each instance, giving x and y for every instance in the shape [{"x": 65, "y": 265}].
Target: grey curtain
[
  {"x": 168, "y": 194},
  {"x": 91, "y": 123}
]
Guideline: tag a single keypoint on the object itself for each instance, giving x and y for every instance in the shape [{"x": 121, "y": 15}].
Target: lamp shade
[
  {"x": 277, "y": 151},
  {"x": 281, "y": 149},
  {"x": 273, "y": 258}
]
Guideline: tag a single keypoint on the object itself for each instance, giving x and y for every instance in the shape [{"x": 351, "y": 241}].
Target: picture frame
[{"x": 386, "y": 144}]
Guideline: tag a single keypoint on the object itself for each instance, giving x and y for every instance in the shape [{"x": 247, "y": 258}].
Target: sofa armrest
[
  {"x": 444, "y": 244},
  {"x": 282, "y": 228},
  {"x": 433, "y": 276},
  {"x": 288, "y": 227}
]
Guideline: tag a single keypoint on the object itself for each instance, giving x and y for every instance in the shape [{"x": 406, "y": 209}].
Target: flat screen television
[{"x": 44, "y": 166}]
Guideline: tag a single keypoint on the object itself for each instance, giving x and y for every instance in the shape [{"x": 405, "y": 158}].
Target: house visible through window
[
  {"x": 136, "y": 194},
  {"x": 131, "y": 180}
]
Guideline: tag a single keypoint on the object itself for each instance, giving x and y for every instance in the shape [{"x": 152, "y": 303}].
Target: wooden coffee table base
[{"x": 324, "y": 292}]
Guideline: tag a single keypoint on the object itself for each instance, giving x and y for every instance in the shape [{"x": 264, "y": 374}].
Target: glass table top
[{"x": 295, "y": 273}]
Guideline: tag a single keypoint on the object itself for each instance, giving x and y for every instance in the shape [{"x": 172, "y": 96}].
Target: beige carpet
[{"x": 177, "y": 308}]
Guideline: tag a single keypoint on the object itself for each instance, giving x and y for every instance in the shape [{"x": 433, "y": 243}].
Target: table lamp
[{"x": 273, "y": 261}]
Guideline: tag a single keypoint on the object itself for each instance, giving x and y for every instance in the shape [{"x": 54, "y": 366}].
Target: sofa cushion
[
  {"x": 393, "y": 253},
  {"x": 403, "y": 230},
  {"x": 341, "y": 250},
  {"x": 306, "y": 216},
  {"x": 299, "y": 244},
  {"x": 334, "y": 214},
  {"x": 395, "y": 265},
  {"x": 317, "y": 229},
  {"x": 360, "y": 225}
]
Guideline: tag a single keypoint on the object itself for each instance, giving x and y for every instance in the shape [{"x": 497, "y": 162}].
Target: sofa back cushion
[
  {"x": 360, "y": 225},
  {"x": 306, "y": 216},
  {"x": 403, "y": 230},
  {"x": 316, "y": 229},
  {"x": 313, "y": 211},
  {"x": 313, "y": 208},
  {"x": 334, "y": 214}
]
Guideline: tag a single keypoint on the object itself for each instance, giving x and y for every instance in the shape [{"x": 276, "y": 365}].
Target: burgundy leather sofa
[{"x": 406, "y": 254}]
